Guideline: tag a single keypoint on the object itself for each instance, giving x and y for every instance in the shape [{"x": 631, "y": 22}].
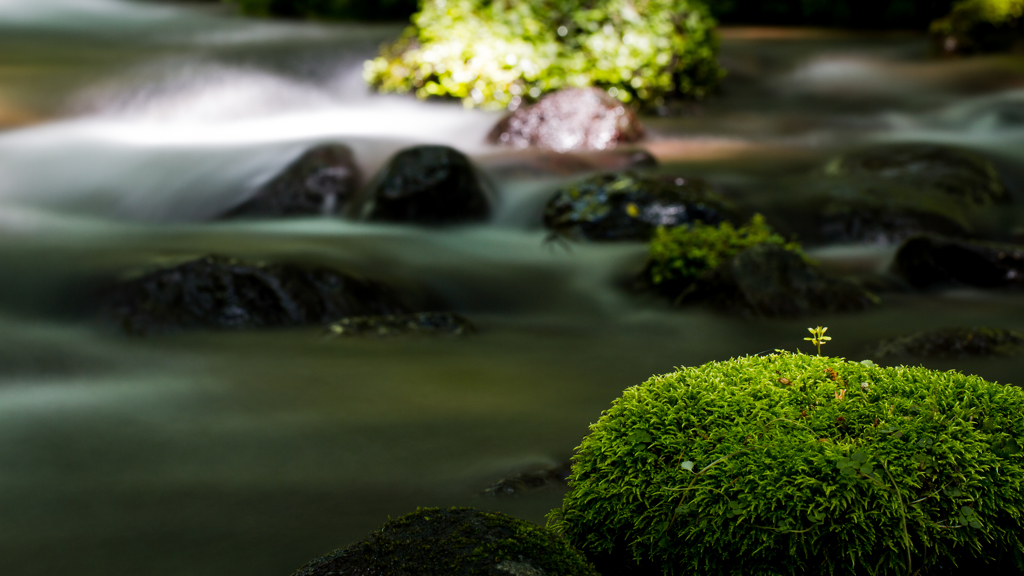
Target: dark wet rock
[
  {"x": 422, "y": 323},
  {"x": 454, "y": 542},
  {"x": 570, "y": 119},
  {"x": 224, "y": 293},
  {"x": 427, "y": 185},
  {"x": 545, "y": 163},
  {"x": 927, "y": 261},
  {"x": 627, "y": 206},
  {"x": 533, "y": 480},
  {"x": 956, "y": 342},
  {"x": 887, "y": 193},
  {"x": 320, "y": 182},
  {"x": 769, "y": 280}
]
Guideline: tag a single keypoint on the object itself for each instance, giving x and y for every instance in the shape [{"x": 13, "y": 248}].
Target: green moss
[
  {"x": 501, "y": 53},
  {"x": 978, "y": 25},
  {"x": 791, "y": 464},
  {"x": 686, "y": 252}
]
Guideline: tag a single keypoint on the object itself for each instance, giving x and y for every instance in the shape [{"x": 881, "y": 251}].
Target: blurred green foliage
[
  {"x": 500, "y": 53},
  {"x": 914, "y": 14},
  {"x": 979, "y": 26},
  {"x": 330, "y": 9}
]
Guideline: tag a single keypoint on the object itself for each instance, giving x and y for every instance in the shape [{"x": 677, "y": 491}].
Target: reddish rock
[{"x": 570, "y": 119}]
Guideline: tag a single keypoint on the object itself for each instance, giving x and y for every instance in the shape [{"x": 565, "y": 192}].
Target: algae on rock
[{"x": 502, "y": 53}]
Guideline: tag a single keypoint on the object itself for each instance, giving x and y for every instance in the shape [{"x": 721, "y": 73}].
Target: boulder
[
  {"x": 627, "y": 206},
  {"x": 421, "y": 323},
  {"x": 928, "y": 261},
  {"x": 570, "y": 119},
  {"x": 216, "y": 292},
  {"x": 426, "y": 185},
  {"x": 454, "y": 542},
  {"x": 320, "y": 182},
  {"x": 956, "y": 342}
]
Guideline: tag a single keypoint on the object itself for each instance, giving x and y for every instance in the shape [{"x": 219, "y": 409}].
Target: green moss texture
[
  {"x": 502, "y": 53},
  {"x": 791, "y": 464}
]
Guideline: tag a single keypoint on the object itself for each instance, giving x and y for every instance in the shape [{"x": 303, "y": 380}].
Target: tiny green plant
[{"x": 818, "y": 337}]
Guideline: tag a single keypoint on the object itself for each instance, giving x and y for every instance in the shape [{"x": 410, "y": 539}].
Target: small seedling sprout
[{"x": 818, "y": 337}]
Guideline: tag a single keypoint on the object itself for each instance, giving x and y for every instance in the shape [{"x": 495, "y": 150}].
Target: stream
[{"x": 126, "y": 126}]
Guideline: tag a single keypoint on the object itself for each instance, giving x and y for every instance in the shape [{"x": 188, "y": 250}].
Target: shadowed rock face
[
  {"x": 454, "y": 542},
  {"x": 320, "y": 182},
  {"x": 570, "y": 119},
  {"x": 629, "y": 207},
  {"x": 427, "y": 185},
  {"x": 223, "y": 293},
  {"x": 953, "y": 343},
  {"x": 927, "y": 261}
]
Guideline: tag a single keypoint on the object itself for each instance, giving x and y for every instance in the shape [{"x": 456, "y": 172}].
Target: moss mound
[
  {"x": 503, "y": 53},
  {"x": 454, "y": 542},
  {"x": 792, "y": 464}
]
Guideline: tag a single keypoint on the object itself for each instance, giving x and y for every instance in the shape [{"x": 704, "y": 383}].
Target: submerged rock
[
  {"x": 320, "y": 182},
  {"x": 570, "y": 119},
  {"x": 927, "y": 261},
  {"x": 630, "y": 207},
  {"x": 953, "y": 343},
  {"x": 425, "y": 323},
  {"x": 531, "y": 480},
  {"x": 427, "y": 185},
  {"x": 545, "y": 163},
  {"x": 215, "y": 292},
  {"x": 887, "y": 193},
  {"x": 454, "y": 542}
]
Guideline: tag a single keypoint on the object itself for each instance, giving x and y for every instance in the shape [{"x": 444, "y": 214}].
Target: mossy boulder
[
  {"x": 977, "y": 26},
  {"x": 570, "y": 119},
  {"x": 504, "y": 53},
  {"x": 320, "y": 182},
  {"x": 957, "y": 342},
  {"x": 935, "y": 261},
  {"x": 749, "y": 269},
  {"x": 221, "y": 293},
  {"x": 788, "y": 464},
  {"x": 419, "y": 323},
  {"x": 426, "y": 185},
  {"x": 454, "y": 542},
  {"x": 628, "y": 206}
]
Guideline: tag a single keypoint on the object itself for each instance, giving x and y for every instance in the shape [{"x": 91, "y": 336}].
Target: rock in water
[
  {"x": 953, "y": 343},
  {"x": 927, "y": 261},
  {"x": 570, "y": 119},
  {"x": 424, "y": 323},
  {"x": 223, "y": 293},
  {"x": 454, "y": 542},
  {"x": 320, "y": 182},
  {"x": 629, "y": 207},
  {"x": 427, "y": 185}
]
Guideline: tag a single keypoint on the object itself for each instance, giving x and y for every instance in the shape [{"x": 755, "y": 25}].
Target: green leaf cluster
[
  {"x": 686, "y": 252},
  {"x": 966, "y": 15},
  {"x": 503, "y": 53},
  {"x": 761, "y": 465}
]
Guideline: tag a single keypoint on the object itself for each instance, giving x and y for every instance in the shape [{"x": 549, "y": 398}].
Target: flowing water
[{"x": 129, "y": 125}]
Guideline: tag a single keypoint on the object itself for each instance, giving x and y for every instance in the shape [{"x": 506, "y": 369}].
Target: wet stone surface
[
  {"x": 934, "y": 261},
  {"x": 420, "y": 323},
  {"x": 628, "y": 206},
  {"x": 570, "y": 119},
  {"x": 528, "y": 481},
  {"x": 957, "y": 342}
]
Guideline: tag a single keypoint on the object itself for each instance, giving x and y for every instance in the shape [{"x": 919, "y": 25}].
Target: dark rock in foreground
[
  {"x": 629, "y": 207},
  {"x": 928, "y": 261},
  {"x": 224, "y": 293},
  {"x": 768, "y": 280},
  {"x": 953, "y": 343},
  {"x": 454, "y": 542},
  {"x": 423, "y": 323},
  {"x": 531, "y": 481},
  {"x": 320, "y": 182},
  {"x": 570, "y": 119},
  {"x": 427, "y": 185}
]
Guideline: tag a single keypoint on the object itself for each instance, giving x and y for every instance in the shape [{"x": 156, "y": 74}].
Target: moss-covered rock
[
  {"x": 502, "y": 53},
  {"x": 789, "y": 464},
  {"x": 974, "y": 26},
  {"x": 217, "y": 292},
  {"x": 329, "y": 9},
  {"x": 420, "y": 323},
  {"x": 454, "y": 542},
  {"x": 627, "y": 206},
  {"x": 955, "y": 342},
  {"x": 934, "y": 261}
]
